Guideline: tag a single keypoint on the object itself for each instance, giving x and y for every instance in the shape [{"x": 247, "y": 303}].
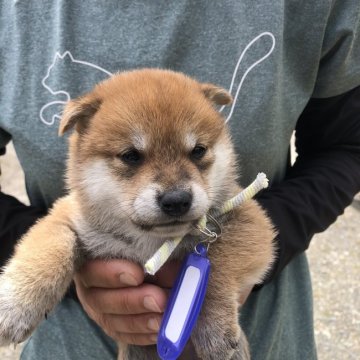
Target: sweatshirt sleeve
[
  {"x": 339, "y": 67},
  {"x": 324, "y": 178},
  {"x": 15, "y": 219}
]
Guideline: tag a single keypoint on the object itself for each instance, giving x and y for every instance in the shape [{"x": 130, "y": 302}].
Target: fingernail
[
  {"x": 153, "y": 338},
  {"x": 153, "y": 324},
  {"x": 150, "y": 304},
  {"x": 127, "y": 279}
]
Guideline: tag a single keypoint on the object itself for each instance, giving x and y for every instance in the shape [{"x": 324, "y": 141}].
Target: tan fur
[
  {"x": 38, "y": 275},
  {"x": 113, "y": 211}
]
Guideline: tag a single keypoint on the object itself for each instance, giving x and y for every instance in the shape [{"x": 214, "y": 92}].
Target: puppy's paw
[
  {"x": 215, "y": 340},
  {"x": 17, "y": 318},
  {"x": 134, "y": 352},
  {"x": 242, "y": 352}
]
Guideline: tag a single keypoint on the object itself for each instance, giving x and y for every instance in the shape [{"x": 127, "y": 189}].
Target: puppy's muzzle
[{"x": 175, "y": 203}]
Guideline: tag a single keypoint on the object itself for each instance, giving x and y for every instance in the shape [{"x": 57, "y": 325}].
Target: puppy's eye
[
  {"x": 198, "y": 152},
  {"x": 131, "y": 157}
]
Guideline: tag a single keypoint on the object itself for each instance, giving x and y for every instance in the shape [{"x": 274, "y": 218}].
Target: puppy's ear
[
  {"x": 78, "y": 112},
  {"x": 216, "y": 94}
]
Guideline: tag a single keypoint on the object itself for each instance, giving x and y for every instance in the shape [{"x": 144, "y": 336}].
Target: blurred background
[{"x": 334, "y": 258}]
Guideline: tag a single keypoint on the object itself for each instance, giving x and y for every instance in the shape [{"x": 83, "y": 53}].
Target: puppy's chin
[
  {"x": 176, "y": 230},
  {"x": 167, "y": 230}
]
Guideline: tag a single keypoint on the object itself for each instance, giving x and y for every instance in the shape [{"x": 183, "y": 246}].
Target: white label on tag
[{"x": 182, "y": 304}]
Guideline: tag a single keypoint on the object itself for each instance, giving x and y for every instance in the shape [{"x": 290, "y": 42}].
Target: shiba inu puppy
[{"x": 150, "y": 155}]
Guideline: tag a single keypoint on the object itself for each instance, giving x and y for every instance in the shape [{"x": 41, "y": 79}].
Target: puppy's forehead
[{"x": 146, "y": 107}]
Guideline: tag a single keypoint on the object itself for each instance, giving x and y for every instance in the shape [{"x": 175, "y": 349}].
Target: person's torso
[{"x": 264, "y": 52}]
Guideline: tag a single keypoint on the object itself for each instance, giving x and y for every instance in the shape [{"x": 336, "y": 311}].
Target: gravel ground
[{"x": 335, "y": 265}]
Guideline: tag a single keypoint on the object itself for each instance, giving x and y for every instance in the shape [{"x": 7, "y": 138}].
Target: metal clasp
[{"x": 211, "y": 236}]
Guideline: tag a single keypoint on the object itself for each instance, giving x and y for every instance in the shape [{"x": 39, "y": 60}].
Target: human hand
[{"x": 117, "y": 297}]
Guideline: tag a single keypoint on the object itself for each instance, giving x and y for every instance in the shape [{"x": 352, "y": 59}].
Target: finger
[
  {"x": 166, "y": 276},
  {"x": 136, "y": 300},
  {"x": 136, "y": 339},
  {"x": 110, "y": 274},
  {"x": 133, "y": 324}
]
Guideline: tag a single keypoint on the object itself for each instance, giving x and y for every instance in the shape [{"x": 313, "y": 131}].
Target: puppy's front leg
[
  {"x": 239, "y": 260},
  {"x": 37, "y": 276},
  {"x": 217, "y": 334},
  {"x": 135, "y": 352}
]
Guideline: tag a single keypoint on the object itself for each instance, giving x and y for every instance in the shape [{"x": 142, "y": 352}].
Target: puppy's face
[{"x": 151, "y": 154}]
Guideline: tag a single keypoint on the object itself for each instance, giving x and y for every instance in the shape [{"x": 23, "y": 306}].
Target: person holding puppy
[{"x": 282, "y": 76}]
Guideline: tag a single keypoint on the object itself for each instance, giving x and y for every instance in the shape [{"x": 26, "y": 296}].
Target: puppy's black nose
[{"x": 175, "y": 203}]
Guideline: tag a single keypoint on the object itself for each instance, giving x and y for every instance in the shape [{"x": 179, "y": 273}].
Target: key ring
[
  {"x": 209, "y": 233},
  {"x": 199, "y": 252},
  {"x": 211, "y": 236},
  {"x": 216, "y": 223}
]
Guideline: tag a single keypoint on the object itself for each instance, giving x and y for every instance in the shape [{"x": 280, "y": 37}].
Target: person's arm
[
  {"x": 324, "y": 179},
  {"x": 15, "y": 219}
]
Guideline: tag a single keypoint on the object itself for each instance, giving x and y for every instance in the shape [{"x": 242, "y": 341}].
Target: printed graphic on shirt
[
  {"x": 74, "y": 69},
  {"x": 239, "y": 75},
  {"x": 66, "y": 64}
]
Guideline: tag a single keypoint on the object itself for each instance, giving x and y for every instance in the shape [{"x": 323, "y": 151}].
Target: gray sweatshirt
[{"x": 272, "y": 55}]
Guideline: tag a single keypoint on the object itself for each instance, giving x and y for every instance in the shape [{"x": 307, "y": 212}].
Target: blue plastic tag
[{"x": 184, "y": 305}]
